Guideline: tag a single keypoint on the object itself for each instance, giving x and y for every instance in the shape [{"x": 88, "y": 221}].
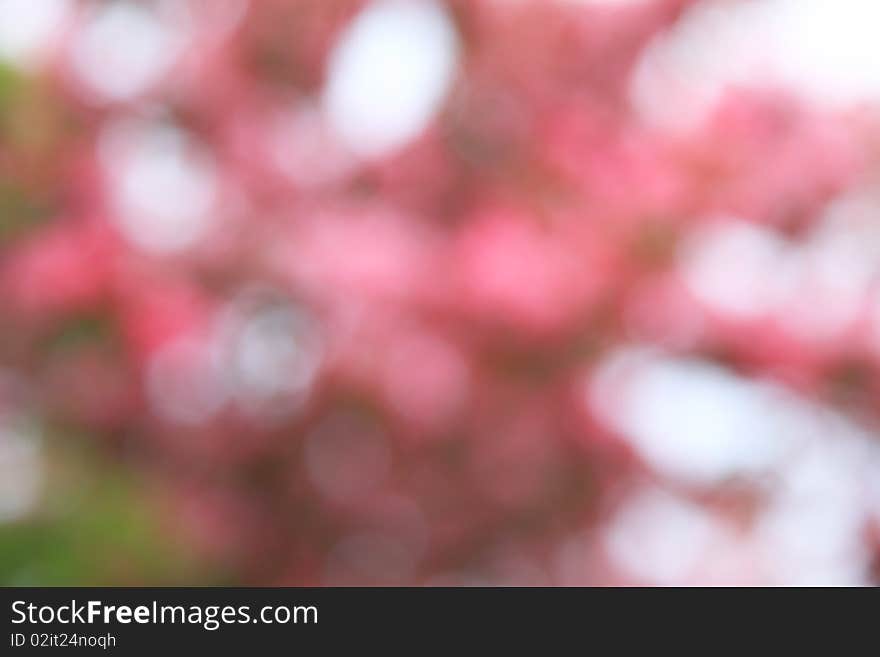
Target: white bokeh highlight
[
  {"x": 731, "y": 266},
  {"x": 164, "y": 185},
  {"x": 694, "y": 421},
  {"x": 273, "y": 358},
  {"x": 825, "y": 50},
  {"x": 661, "y": 539},
  {"x": 122, "y": 49},
  {"x": 27, "y": 28},
  {"x": 698, "y": 425},
  {"x": 389, "y": 74},
  {"x": 814, "y": 288},
  {"x": 22, "y": 471}
]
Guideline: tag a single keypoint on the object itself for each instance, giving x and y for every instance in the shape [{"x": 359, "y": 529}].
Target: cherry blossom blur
[{"x": 463, "y": 292}]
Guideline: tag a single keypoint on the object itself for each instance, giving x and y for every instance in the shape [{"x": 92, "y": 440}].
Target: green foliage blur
[{"x": 94, "y": 526}]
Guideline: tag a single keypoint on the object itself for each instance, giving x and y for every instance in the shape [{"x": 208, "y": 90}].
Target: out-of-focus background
[{"x": 474, "y": 292}]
